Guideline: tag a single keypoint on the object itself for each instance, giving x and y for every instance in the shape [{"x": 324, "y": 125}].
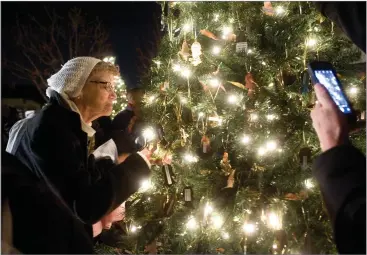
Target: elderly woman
[{"x": 54, "y": 143}]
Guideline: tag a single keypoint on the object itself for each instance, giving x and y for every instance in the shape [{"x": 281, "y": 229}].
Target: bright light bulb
[
  {"x": 191, "y": 224},
  {"x": 246, "y": 139},
  {"x": 176, "y": 67},
  {"x": 225, "y": 235},
  {"x": 187, "y": 27},
  {"x": 208, "y": 210},
  {"x": 133, "y": 229},
  {"x": 311, "y": 42},
  {"x": 254, "y": 117},
  {"x": 261, "y": 151},
  {"x": 274, "y": 221},
  {"x": 214, "y": 82},
  {"x": 151, "y": 99},
  {"x": 263, "y": 63},
  {"x": 249, "y": 228},
  {"x": 232, "y": 99},
  {"x": 216, "y": 17},
  {"x": 217, "y": 221},
  {"x": 231, "y": 20},
  {"x": 216, "y": 50},
  {"x": 145, "y": 185},
  {"x": 353, "y": 90},
  {"x": 183, "y": 100},
  {"x": 186, "y": 73},
  {"x": 190, "y": 158},
  {"x": 279, "y": 10},
  {"x": 270, "y": 117},
  {"x": 149, "y": 134},
  {"x": 271, "y": 84},
  {"x": 158, "y": 63},
  {"x": 271, "y": 145},
  {"x": 275, "y": 246},
  {"x": 227, "y": 30},
  {"x": 201, "y": 114},
  {"x": 250, "y": 51},
  {"x": 309, "y": 184}
]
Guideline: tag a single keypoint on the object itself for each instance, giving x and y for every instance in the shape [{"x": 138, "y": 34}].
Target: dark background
[{"x": 131, "y": 25}]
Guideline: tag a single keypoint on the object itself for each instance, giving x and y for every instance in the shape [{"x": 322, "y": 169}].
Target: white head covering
[{"x": 71, "y": 78}]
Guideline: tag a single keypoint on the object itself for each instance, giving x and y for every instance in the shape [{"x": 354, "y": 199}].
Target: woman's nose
[{"x": 113, "y": 95}]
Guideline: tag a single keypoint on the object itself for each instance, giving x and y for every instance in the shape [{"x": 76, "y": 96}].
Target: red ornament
[{"x": 250, "y": 84}]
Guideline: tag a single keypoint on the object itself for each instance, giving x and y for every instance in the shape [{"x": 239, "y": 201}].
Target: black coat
[
  {"x": 341, "y": 174},
  {"x": 41, "y": 222},
  {"x": 55, "y": 147},
  {"x": 350, "y": 17}
]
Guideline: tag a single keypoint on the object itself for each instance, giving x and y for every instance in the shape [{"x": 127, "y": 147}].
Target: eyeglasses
[{"x": 106, "y": 85}]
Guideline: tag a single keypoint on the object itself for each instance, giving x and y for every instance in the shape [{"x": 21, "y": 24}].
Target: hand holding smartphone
[{"x": 325, "y": 74}]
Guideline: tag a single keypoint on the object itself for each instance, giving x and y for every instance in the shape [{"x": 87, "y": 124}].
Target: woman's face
[{"x": 98, "y": 93}]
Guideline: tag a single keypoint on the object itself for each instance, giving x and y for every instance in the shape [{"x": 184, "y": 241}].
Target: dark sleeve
[
  {"x": 341, "y": 174},
  {"x": 91, "y": 191},
  {"x": 350, "y": 17}
]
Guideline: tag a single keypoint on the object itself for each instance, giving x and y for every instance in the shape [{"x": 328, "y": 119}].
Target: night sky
[{"x": 130, "y": 25}]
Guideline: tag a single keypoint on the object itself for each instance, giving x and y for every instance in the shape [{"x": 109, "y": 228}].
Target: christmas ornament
[
  {"x": 268, "y": 9},
  {"x": 257, "y": 168},
  {"x": 169, "y": 205},
  {"x": 230, "y": 180},
  {"x": 225, "y": 165},
  {"x": 185, "y": 51},
  {"x": 208, "y": 34},
  {"x": 305, "y": 156},
  {"x": 188, "y": 196},
  {"x": 164, "y": 86},
  {"x": 237, "y": 84},
  {"x": 296, "y": 196},
  {"x": 196, "y": 52},
  {"x": 220, "y": 250},
  {"x": 205, "y": 142},
  {"x": 305, "y": 82},
  {"x": 250, "y": 84},
  {"x": 177, "y": 32},
  {"x": 151, "y": 248},
  {"x": 241, "y": 45},
  {"x": 169, "y": 176}
]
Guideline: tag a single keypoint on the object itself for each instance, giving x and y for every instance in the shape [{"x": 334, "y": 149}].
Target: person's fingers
[{"x": 323, "y": 96}]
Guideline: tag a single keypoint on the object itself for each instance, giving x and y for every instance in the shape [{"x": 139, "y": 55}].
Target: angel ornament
[
  {"x": 225, "y": 165},
  {"x": 196, "y": 53}
]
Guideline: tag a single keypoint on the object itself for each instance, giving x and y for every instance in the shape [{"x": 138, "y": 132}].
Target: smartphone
[{"x": 324, "y": 73}]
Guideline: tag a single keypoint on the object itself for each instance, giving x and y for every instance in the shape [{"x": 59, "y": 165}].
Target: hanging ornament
[
  {"x": 215, "y": 121},
  {"x": 268, "y": 9},
  {"x": 177, "y": 32},
  {"x": 205, "y": 151},
  {"x": 237, "y": 84},
  {"x": 185, "y": 51},
  {"x": 164, "y": 86},
  {"x": 230, "y": 180},
  {"x": 169, "y": 176},
  {"x": 220, "y": 250},
  {"x": 302, "y": 195},
  {"x": 208, "y": 34},
  {"x": 151, "y": 248},
  {"x": 225, "y": 164},
  {"x": 184, "y": 137},
  {"x": 196, "y": 52},
  {"x": 241, "y": 45},
  {"x": 218, "y": 69},
  {"x": 188, "y": 196},
  {"x": 169, "y": 205},
  {"x": 305, "y": 82},
  {"x": 205, "y": 142},
  {"x": 305, "y": 157},
  {"x": 250, "y": 84}
]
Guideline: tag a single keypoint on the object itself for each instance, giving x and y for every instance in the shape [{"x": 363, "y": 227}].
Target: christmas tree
[{"x": 227, "y": 115}]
